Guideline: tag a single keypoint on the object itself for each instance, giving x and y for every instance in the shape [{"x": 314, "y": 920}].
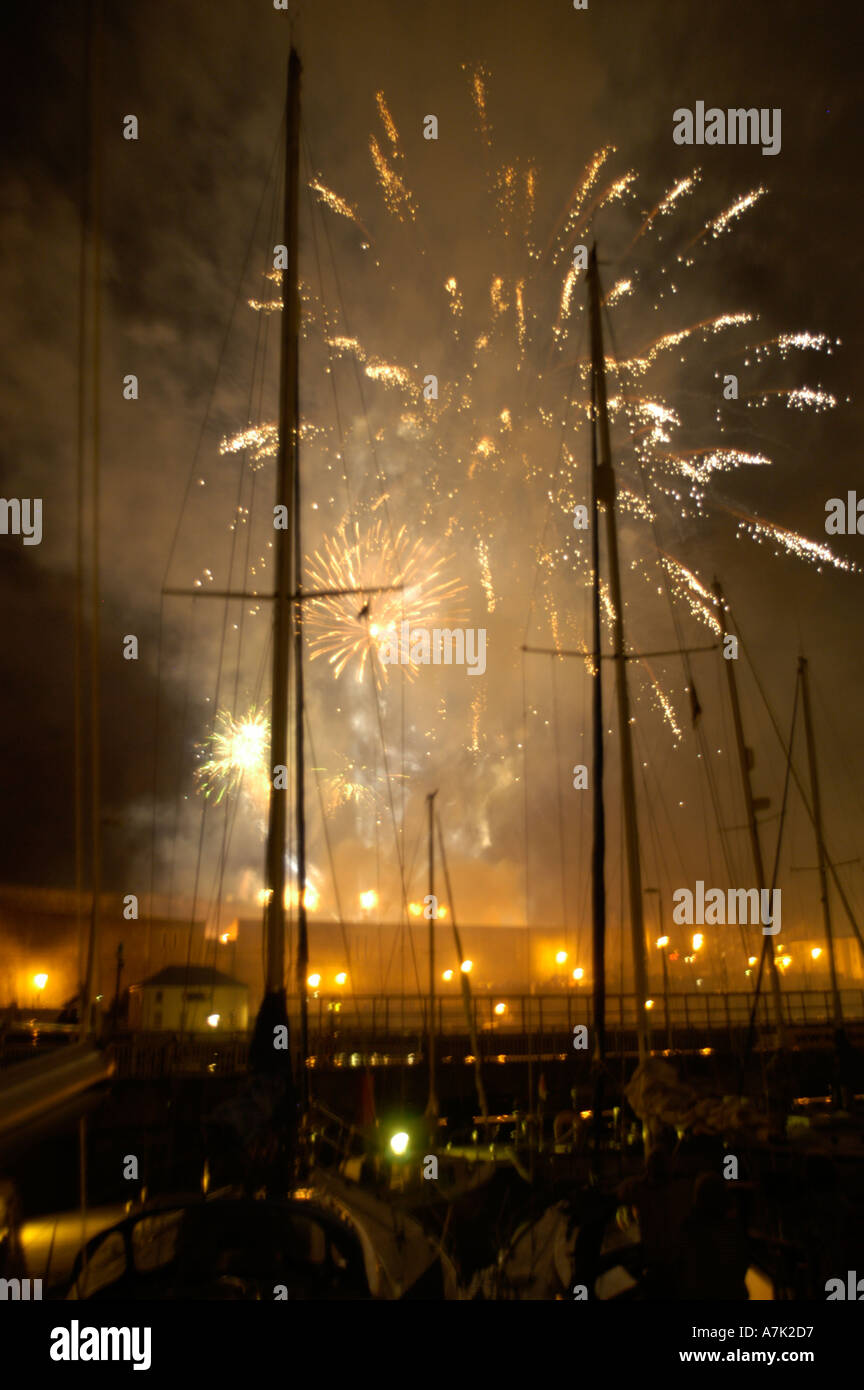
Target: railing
[
  {"x": 529, "y": 1025},
  {"x": 559, "y": 1013}
]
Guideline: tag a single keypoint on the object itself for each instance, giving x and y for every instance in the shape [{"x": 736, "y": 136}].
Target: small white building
[{"x": 189, "y": 999}]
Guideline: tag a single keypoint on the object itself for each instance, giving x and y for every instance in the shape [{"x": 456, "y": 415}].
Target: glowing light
[
  {"x": 560, "y": 957},
  {"x": 578, "y": 973},
  {"x": 466, "y": 967},
  {"x": 369, "y": 899},
  {"x": 313, "y": 981},
  {"x": 399, "y": 1143},
  {"x": 40, "y": 981},
  {"x": 662, "y": 941},
  {"x": 415, "y": 909},
  {"x": 649, "y": 1003},
  {"x": 310, "y": 897},
  {"x": 500, "y": 1009},
  {"x": 751, "y": 960},
  {"x": 341, "y": 978},
  {"x": 815, "y": 952},
  {"x": 698, "y": 941},
  {"x": 213, "y": 1020},
  {"x": 447, "y": 975}
]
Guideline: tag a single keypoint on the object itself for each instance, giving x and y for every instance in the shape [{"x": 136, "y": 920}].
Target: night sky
[{"x": 188, "y": 217}]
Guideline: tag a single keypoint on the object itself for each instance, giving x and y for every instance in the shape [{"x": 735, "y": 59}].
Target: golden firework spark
[
  {"x": 718, "y": 225},
  {"x": 667, "y": 204},
  {"x": 697, "y": 465},
  {"x": 397, "y": 196},
  {"x": 798, "y": 398},
  {"x": 815, "y": 552},
  {"x": 486, "y": 574},
  {"x": 260, "y": 442},
  {"x": 689, "y": 587}
]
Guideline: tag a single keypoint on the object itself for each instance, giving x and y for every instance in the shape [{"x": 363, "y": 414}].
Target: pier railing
[
  {"x": 559, "y": 1013},
  {"x": 357, "y": 1028}
]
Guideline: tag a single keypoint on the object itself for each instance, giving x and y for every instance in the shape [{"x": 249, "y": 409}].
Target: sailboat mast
[
  {"x": 604, "y": 485},
  {"x": 803, "y": 670},
  {"x": 598, "y": 845},
  {"x": 432, "y": 1104},
  {"x": 286, "y": 489},
  {"x": 744, "y": 763},
  {"x": 299, "y": 749}
]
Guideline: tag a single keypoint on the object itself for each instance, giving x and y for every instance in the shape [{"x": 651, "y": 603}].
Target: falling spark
[
  {"x": 619, "y": 290},
  {"x": 340, "y": 206},
  {"x": 795, "y": 342},
  {"x": 799, "y": 398},
  {"x": 699, "y": 464},
  {"x": 479, "y": 74},
  {"x": 687, "y": 585},
  {"x": 478, "y": 709},
  {"x": 389, "y": 374},
  {"x": 260, "y": 441},
  {"x": 388, "y": 123},
  {"x": 718, "y": 225},
  {"x": 664, "y": 703},
  {"x": 486, "y": 574},
  {"x": 397, "y": 197},
  {"x": 667, "y": 204},
  {"x": 815, "y": 552},
  {"x": 456, "y": 304}
]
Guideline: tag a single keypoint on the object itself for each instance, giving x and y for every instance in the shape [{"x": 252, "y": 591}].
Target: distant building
[
  {"x": 189, "y": 999},
  {"x": 42, "y": 935}
]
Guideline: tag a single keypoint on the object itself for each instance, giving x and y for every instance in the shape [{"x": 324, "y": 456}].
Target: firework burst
[
  {"x": 237, "y": 756},
  {"x": 493, "y": 459},
  {"x": 350, "y": 630},
  {"x": 354, "y": 784}
]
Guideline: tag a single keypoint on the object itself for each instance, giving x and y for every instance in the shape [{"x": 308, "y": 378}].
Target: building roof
[{"x": 188, "y": 975}]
